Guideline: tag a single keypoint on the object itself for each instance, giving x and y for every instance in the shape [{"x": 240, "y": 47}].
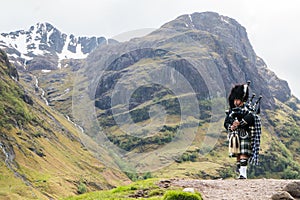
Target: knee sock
[{"x": 243, "y": 168}]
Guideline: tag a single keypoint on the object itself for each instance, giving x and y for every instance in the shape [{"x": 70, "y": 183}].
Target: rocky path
[{"x": 256, "y": 189}]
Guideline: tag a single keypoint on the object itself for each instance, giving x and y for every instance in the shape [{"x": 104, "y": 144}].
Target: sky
[{"x": 273, "y": 26}]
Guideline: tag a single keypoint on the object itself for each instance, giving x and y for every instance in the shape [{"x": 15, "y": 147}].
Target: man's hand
[{"x": 234, "y": 125}]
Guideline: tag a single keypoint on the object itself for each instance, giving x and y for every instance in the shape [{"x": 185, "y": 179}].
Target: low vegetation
[
  {"x": 144, "y": 189},
  {"x": 176, "y": 195}
]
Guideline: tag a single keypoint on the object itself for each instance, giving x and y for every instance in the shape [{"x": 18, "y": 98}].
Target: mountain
[
  {"x": 151, "y": 93},
  {"x": 43, "y": 46},
  {"x": 236, "y": 60},
  {"x": 152, "y": 104},
  {"x": 42, "y": 156}
]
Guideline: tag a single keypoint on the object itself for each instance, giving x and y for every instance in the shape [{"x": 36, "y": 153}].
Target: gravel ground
[{"x": 256, "y": 189}]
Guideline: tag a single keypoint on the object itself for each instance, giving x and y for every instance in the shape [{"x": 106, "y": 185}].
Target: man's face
[{"x": 238, "y": 103}]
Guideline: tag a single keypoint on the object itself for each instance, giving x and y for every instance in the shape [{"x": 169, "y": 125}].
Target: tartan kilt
[{"x": 245, "y": 145}]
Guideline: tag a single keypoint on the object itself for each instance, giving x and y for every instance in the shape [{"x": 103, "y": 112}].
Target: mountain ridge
[{"x": 43, "y": 39}]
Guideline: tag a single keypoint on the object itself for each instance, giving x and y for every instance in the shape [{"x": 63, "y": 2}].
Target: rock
[
  {"x": 282, "y": 196},
  {"x": 95, "y": 185},
  {"x": 11, "y": 70},
  {"x": 164, "y": 183},
  {"x": 27, "y": 99},
  {"x": 140, "y": 193},
  {"x": 191, "y": 190},
  {"x": 293, "y": 188},
  {"x": 38, "y": 152}
]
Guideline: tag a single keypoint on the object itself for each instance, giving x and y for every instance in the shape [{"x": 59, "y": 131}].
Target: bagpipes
[
  {"x": 254, "y": 107},
  {"x": 255, "y": 130}
]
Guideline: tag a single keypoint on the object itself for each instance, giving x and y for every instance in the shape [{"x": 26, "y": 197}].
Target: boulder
[
  {"x": 282, "y": 196},
  {"x": 293, "y": 188}
]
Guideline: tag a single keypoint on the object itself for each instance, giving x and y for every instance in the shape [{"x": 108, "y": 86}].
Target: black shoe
[{"x": 241, "y": 177}]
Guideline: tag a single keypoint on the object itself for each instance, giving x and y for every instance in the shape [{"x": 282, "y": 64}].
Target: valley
[{"x": 150, "y": 107}]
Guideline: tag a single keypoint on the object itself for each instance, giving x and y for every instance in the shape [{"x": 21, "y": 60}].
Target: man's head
[{"x": 238, "y": 95}]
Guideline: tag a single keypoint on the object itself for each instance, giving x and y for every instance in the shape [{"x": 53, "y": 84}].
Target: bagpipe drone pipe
[{"x": 253, "y": 106}]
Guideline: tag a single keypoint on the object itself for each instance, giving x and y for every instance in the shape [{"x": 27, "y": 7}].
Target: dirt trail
[{"x": 250, "y": 189}]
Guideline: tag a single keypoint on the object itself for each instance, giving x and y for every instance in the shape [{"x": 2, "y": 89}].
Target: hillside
[{"x": 41, "y": 154}]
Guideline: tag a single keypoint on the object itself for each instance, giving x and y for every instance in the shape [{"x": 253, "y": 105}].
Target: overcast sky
[{"x": 273, "y": 27}]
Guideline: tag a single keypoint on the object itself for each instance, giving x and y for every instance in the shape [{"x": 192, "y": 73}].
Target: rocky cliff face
[
  {"x": 219, "y": 49},
  {"x": 11, "y": 70},
  {"x": 236, "y": 60}
]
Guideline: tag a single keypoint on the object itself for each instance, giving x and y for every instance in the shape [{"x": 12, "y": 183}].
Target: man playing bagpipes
[{"x": 244, "y": 128}]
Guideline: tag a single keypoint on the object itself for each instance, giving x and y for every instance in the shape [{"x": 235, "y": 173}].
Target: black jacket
[{"x": 243, "y": 115}]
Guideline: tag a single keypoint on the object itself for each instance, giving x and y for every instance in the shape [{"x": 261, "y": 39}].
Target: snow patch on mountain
[{"x": 45, "y": 40}]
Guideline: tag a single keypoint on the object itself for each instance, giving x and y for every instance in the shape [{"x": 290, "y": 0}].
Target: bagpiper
[{"x": 244, "y": 128}]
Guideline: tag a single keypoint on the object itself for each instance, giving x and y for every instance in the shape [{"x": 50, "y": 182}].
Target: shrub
[
  {"x": 81, "y": 189},
  {"x": 289, "y": 173},
  {"x": 147, "y": 175},
  {"x": 226, "y": 172},
  {"x": 179, "y": 195}
]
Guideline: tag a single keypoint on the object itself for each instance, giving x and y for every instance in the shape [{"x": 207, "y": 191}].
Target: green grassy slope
[{"x": 41, "y": 153}]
